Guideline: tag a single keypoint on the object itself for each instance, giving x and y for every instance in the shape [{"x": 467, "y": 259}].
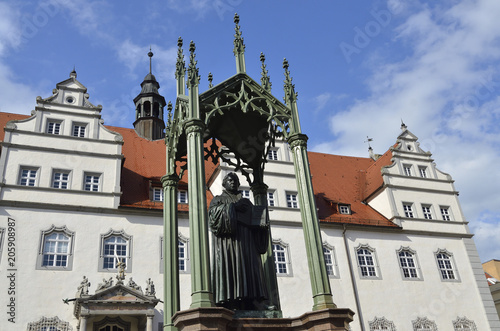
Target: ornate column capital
[
  {"x": 170, "y": 180},
  {"x": 194, "y": 125},
  {"x": 297, "y": 139}
]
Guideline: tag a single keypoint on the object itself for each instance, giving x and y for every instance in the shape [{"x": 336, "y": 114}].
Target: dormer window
[
  {"x": 79, "y": 130},
  {"x": 407, "y": 169},
  {"x": 345, "y": 209}
]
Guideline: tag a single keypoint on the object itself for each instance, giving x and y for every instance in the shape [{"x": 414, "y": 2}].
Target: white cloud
[
  {"x": 321, "y": 101},
  {"x": 445, "y": 91},
  {"x": 10, "y": 27}
]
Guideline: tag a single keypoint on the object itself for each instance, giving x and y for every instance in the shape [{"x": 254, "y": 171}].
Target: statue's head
[{"x": 231, "y": 182}]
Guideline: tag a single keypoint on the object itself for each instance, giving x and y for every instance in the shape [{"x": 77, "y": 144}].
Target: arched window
[
  {"x": 367, "y": 262},
  {"x": 464, "y": 324},
  {"x": 49, "y": 324},
  {"x": 147, "y": 108},
  {"x": 330, "y": 260},
  {"x": 446, "y": 265},
  {"x": 408, "y": 263},
  {"x": 381, "y": 324},
  {"x": 423, "y": 324},
  {"x": 115, "y": 247},
  {"x": 56, "y": 249},
  {"x": 281, "y": 258}
]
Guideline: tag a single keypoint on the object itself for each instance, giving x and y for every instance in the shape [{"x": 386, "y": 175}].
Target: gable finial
[
  {"x": 180, "y": 69},
  {"x": 193, "y": 76},
  {"x": 150, "y": 54},
  {"x": 403, "y": 125},
  {"x": 368, "y": 140},
  {"x": 265, "y": 80},
  {"x": 239, "y": 47},
  {"x": 73, "y": 73}
]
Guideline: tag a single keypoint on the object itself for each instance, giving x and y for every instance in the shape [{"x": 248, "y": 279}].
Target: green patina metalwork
[{"x": 244, "y": 118}]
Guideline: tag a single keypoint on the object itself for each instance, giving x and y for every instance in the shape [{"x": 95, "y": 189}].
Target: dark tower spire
[{"x": 149, "y": 106}]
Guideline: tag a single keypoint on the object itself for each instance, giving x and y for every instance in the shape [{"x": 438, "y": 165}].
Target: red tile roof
[
  {"x": 342, "y": 180},
  {"x": 336, "y": 179}
]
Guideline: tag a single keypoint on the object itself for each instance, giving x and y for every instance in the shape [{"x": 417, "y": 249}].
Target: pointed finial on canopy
[
  {"x": 265, "y": 80},
  {"x": 193, "y": 77},
  {"x": 291, "y": 99},
  {"x": 239, "y": 47},
  {"x": 150, "y": 54},
  {"x": 180, "y": 69},
  {"x": 210, "y": 79}
]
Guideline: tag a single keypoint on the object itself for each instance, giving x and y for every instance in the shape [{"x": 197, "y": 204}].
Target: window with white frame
[
  {"x": 60, "y": 179},
  {"x": 464, "y": 324},
  {"x": 408, "y": 263},
  {"x": 407, "y": 169},
  {"x": 281, "y": 258},
  {"x": 182, "y": 196},
  {"x": 28, "y": 176},
  {"x": 330, "y": 261},
  {"x": 445, "y": 213},
  {"x": 157, "y": 194},
  {"x": 424, "y": 324},
  {"x": 56, "y": 249},
  {"x": 245, "y": 193},
  {"x": 427, "y": 211},
  {"x": 272, "y": 154},
  {"x": 291, "y": 200},
  {"x": 408, "y": 209},
  {"x": 49, "y": 324},
  {"x": 381, "y": 324},
  {"x": 79, "y": 130},
  {"x": 446, "y": 265},
  {"x": 54, "y": 127},
  {"x": 271, "y": 201},
  {"x": 115, "y": 248},
  {"x": 182, "y": 254},
  {"x": 367, "y": 263},
  {"x": 423, "y": 171},
  {"x": 92, "y": 182},
  {"x": 345, "y": 209}
]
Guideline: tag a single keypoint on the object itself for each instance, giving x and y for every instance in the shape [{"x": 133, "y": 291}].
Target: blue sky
[{"x": 359, "y": 67}]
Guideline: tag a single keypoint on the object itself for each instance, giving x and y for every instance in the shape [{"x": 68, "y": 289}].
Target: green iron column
[
  {"x": 259, "y": 191},
  {"x": 170, "y": 251},
  {"x": 201, "y": 293},
  {"x": 320, "y": 283}
]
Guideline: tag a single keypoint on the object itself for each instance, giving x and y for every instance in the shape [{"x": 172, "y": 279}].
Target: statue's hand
[{"x": 242, "y": 205}]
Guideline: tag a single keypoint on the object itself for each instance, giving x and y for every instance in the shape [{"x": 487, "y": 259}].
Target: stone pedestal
[{"x": 217, "y": 318}]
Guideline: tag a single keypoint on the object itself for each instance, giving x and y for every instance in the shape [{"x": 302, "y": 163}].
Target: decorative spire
[
  {"x": 239, "y": 47},
  {"x": 265, "y": 80},
  {"x": 169, "y": 115},
  {"x": 403, "y": 125},
  {"x": 150, "y": 54},
  {"x": 193, "y": 76},
  {"x": 180, "y": 69},
  {"x": 291, "y": 100},
  {"x": 210, "y": 79},
  {"x": 73, "y": 73}
]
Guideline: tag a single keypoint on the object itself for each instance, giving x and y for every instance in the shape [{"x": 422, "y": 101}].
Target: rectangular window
[
  {"x": 423, "y": 172},
  {"x": 182, "y": 255},
  {"x": 115, "y": 251},
  {"x": 54, "y": 127},
  {"x": 28, "y": 176},
  {"x": 270, "y": 199},
  {"x": 60, "y": 179},
  {"x": 329, "y": 261},
  {"x": 345, "y": 209},
  {"x": 407, "y": 169},
  {"x": 79, "y": 130},
  {"x": 245, "y": 194},
  {"x": 280, "y": 259},
  {"x": 272, "y": 155},
  {"x": 366, "y": 263},
  {"x": 407, "y": 208},
  {"x": 182, "y": 196},
  {"x": 408, "y": 264},
  {"x": 426, "y": 210},
  {"x": 157, "y": 194},
  {"x": 445, "y": 266},
  {"x": 445, "y": 213},
  {"x": 291, "y": 200},
  {"x": 55, "y": 250},
  {"x": 92, "y": 182}
]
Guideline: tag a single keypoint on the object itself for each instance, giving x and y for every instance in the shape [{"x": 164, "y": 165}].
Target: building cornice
[
  {"x": 421, "y": 189},
  {"x": 62, "y": 151}
]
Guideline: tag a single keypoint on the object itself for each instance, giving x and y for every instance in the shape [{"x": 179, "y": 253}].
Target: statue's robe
[{"x": 237, "y": 273}]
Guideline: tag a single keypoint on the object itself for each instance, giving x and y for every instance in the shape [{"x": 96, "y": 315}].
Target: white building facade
[{"x": 81, "y": 202}]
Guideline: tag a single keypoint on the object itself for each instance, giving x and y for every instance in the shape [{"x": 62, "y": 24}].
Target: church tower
[{"x": 149, "y": 106}]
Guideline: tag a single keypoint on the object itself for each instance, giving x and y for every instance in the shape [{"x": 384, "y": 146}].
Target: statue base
[{"x": 217, "y": 318}]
